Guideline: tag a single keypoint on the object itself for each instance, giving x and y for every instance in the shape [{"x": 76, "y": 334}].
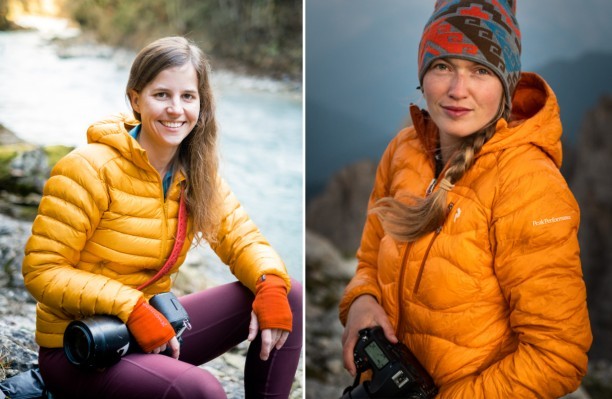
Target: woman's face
[
  {"x": 169, "y": 107},
  {"x": 462, "y": 97}
]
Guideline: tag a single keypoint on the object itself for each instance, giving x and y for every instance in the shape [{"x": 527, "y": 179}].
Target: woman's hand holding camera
[
  {"x": 364, "y": 312},
  {"x": 173, "y": 345},
  {"x": 271, "y": 313},
  {"x": 151, "y": 329}
]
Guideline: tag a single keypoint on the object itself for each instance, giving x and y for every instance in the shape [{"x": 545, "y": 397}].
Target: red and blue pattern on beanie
[{"x": 483, "y": 31}]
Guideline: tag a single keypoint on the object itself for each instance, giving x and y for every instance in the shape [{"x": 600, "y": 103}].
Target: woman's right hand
[{"x": 364, "y": 312}]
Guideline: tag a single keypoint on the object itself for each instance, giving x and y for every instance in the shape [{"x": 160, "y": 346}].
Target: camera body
[
  {"x": 396, "y": 372},
  {"x": 101, "y": 340}
]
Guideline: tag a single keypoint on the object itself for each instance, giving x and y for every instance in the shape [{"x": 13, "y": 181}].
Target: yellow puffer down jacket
[
  {"x": 494, "y": 303},
  {"x": 104, "y": 228}
]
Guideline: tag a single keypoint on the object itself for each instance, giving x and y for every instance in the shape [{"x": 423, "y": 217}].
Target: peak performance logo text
[{"x": 551, "y": 220}]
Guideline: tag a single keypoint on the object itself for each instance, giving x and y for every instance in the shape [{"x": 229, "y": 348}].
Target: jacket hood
[
  {"x": 114, "y": 132},
  {"x": 535, "y": 120}
]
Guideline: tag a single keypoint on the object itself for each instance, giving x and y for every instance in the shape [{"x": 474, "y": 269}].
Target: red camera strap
[{"x": 181, "y": 233}]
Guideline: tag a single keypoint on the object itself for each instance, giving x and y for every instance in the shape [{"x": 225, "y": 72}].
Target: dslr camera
[
  {"x": 396, "y": 372},
  {"x": 100, "y": 341}
]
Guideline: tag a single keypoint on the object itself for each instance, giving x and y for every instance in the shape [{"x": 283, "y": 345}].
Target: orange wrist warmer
[
  {"x": 149, "y": 327},
  {"x": 271, "y": 304}
]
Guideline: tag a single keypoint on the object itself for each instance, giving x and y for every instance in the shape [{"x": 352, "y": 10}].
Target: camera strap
[
  {"x": 350, "y": 388},
  {"x": 181, "y": 233}
]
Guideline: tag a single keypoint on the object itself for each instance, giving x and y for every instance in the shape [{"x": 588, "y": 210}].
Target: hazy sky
[{"x": 361, "y": 58}]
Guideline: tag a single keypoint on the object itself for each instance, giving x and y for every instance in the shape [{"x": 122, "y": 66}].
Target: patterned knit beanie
[{"x": 483, "y": 31}]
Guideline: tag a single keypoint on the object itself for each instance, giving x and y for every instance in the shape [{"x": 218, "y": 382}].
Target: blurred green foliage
[
  {"x": 263, "y": 35},
  {"x": 5, "y": 24}
]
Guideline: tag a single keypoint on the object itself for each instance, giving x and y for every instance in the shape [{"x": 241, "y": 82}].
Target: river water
[{"x": 48, "y": 99}]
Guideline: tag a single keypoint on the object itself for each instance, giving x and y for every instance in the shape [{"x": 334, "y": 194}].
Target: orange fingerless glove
[
  {"x": 271, "y": 304},
  {"x": 149, "y": 327}
]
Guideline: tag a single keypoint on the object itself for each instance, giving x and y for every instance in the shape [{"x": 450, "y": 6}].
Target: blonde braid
[{"x": 407, "y": 222}]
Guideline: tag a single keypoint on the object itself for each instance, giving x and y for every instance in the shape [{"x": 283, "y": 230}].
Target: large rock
[
  {"x": 340, "y": 212},
  {"x": 28, "y": 170},
  {"x": 13, "y": 236},
  {"x": 592, "y": 186},
  {"x": 24, "y": 169}
]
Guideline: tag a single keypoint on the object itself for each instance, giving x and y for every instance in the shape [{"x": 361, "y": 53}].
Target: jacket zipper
[
  {"x": 165, "y": 219},
  {"x": 433, "y": 238},
  {"x": 420, "y": 275},
  {"x": 400, "y": 290}
]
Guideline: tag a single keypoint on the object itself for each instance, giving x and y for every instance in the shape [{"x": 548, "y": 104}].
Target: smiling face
[
  {"x": 462, "y": 97},
  {"x": 169, "y": 107}
]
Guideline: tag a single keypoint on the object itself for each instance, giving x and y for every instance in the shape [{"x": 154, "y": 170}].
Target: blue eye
[
  {"x": 440, "y": 66},
  {"x": 483, "y": 71}
]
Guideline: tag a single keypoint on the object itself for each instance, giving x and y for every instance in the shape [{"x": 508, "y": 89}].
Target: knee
[{"x": 195, "y": 383}]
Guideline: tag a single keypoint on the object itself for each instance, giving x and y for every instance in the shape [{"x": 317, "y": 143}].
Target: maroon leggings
[{"x": 220, "y": 318}]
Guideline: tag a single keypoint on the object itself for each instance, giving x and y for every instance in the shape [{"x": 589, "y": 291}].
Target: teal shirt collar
[{"x": 168, "y": 177}]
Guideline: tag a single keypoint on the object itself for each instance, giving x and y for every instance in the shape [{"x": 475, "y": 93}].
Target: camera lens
[
  {"x": 98, "y": 341},
  {"x": 80, "y": 346}
]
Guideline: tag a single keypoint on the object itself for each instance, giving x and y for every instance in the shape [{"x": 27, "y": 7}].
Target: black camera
[
  {"x": 396, "y": 372},
  {"x": 100, "y": 341}
]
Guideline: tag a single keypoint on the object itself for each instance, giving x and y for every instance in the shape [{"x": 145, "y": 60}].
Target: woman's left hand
[
  {"x": 172, "y": 348},
  {"x": 270, "y": 338}
]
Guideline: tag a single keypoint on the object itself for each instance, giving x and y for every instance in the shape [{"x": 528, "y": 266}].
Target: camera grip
[
  {"x": 149, "y": 327},
  {"x": 169, "y": 305}
]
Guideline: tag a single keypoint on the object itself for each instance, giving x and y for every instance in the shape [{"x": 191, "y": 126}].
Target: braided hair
[{"x": 409, "y": 221}]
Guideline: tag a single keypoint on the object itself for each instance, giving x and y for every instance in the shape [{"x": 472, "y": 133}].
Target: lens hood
[{"x": 96, "y": 342}]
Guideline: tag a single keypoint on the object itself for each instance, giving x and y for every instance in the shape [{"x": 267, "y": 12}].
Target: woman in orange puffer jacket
[
  {"x": 110, "y": 217},
  {"x": 470, "y": 255}
]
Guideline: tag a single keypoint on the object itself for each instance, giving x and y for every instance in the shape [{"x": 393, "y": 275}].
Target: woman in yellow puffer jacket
[
  {"x": 470, "y": 255},
  {"x": 131, "y": 201}
]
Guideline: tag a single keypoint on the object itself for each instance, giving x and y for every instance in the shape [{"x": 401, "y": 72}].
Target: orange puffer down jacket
[
  {"x": 104, "y": 228},
  {"x": 494, "y": 303}
]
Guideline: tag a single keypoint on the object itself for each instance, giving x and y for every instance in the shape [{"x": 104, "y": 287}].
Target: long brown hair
[
  {"x": 407, "y": 222},
  {"x": 197, "y": 154}
]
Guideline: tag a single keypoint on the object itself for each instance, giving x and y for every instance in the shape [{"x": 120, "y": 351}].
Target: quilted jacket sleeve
[
  {"x": 534, "y": 235},
  {"x": 365, "y": 280},
  {"x": 73, "y": 200},
  {"x": 242, "y": 247}
]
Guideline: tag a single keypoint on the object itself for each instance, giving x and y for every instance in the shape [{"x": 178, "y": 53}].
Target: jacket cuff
[{"x": 273, "y": 272}]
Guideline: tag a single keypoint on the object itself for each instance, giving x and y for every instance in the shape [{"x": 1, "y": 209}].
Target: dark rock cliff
[{"x": 592, "y": 187}]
